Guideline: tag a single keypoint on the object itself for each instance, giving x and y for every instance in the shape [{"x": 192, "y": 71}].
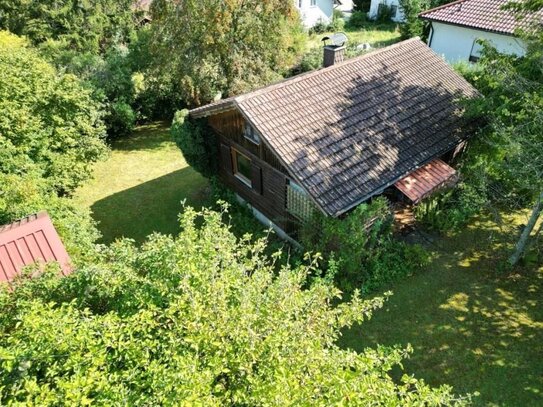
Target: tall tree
[
  {"x": 50, "y": 123},
  {"x": 82, "y": 25},
  {"x": 207, "y": 47}
]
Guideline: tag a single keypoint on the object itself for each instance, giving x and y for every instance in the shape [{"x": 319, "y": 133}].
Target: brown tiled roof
[
  {"x": 30, "y": 240},
  {"x": 483, "y": 15},
  {"x": 422, "y": 182},
  {"x": 348, "y": 131}
]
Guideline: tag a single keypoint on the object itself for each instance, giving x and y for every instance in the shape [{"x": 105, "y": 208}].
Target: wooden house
[{"x": 333, "y": 138}]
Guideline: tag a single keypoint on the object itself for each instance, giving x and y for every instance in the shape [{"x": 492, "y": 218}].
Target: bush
[
  {"x": 384, "y": 13},
  {"x": 199, "y": 319},
  {"x": 197, "y": 143},
  {"x": 120, "y": 120},
  {"x": 450, "y": 210},
  {"x": 362, "y": 247},
  {"x": 319, "y": 28},
  {"x": 362, "y": 6},
  {"x": 51, "y": 124},
  {"x": 337, "y": 24},
  {"x": 358, "y": 20}
]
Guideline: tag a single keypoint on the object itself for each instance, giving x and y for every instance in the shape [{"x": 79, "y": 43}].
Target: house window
[
  {"x": 242, "y": 167},
  {"x": 298, "y": 202},
  {"x": 313, "y": 3},
  {"x": 251, "y": 134},
  {"x": 476, "y": 50},
  {"x": 300, "y": 3},
  {"x": 393, "y": 11}
]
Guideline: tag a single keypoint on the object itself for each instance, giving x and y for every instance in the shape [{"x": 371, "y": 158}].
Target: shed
[{"x": 27, "y": 241}]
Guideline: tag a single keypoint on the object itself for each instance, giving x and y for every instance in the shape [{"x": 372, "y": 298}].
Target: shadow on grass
[
  {"x": 470, "y": 326},
  {"x": 150, "y": 207},
  {"x": 147, "y": 137}
]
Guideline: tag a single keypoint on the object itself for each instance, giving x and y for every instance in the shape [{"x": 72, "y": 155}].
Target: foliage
[
  {"x": 85, "y": 26},
  {"x": 450, "y": 210},
  {"x": 358, "y": 19},
  {"x": 120, "y": 120},
  {"x": 362, "y": 246},
  {"x": 21, "y": 195},
  {"x": 320, "y": 27},
  {"x": 211, "y": 47},
  {"x": 50, "y": 123},
  {"x": 384, "y": 14},
  {"x": 412, "y": 25},
  {"x": 338, "y": 22},
  {"x": 361, "y": 6},
  {"x": 197, "y": 143},
  {"x": 202, "y": 318}
]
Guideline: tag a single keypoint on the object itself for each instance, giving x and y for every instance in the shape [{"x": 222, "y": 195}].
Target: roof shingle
[
  {"x": 348, "y": 131},
  {"x": 483, "y": 15}
]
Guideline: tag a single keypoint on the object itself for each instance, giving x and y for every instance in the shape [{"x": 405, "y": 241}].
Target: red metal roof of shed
[
  {"x": 29, "y": 240},
  {"x": 422, "y": 182}
]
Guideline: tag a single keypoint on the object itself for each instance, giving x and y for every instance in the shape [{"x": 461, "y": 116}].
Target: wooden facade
[{"x": 265, "y": 187}]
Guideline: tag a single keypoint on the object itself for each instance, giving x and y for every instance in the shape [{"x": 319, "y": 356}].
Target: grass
[
  {"x": 471, "y": 326},
  {"x": 376, "y": 34},
  {"x": 139, "y": 188}
]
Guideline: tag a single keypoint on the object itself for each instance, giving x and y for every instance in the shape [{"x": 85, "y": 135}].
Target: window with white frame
[
  {"x": 313, "y": 3},
  {"x": 242, "y": 167}
]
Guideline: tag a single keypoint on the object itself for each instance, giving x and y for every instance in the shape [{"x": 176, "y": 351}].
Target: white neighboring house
[
  {"x": 456, "y": 27},
  {"x": 397, "y": 14},
  {"x": 313, "y": 11}
]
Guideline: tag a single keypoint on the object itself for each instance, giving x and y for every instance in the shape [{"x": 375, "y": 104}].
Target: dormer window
[{"x": 251, "y": 134}]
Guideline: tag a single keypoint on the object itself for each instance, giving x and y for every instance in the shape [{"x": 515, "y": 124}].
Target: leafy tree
[
  {"x": 50, "y": 123},
  {"x": 206, "y": 47},
  {"x": 200, "y": 319},
  {"x": 513, "y": 141},
  {"x": 413, "y": 26},
  {"x": 362, "y": 5},
  {"x": 82, "y": 25}
]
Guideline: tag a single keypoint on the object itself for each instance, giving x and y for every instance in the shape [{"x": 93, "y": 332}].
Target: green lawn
[
  {"x": 139, "y": 188},
  {"x": 470, "y": 325},
  {"x": 377, "y": 35}
]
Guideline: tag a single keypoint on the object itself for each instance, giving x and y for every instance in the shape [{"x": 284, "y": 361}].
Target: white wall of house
[
  {"x": 456, "y": 43},
  {"x": 312, "y": 11},
  {"x": 374, "y": 9}
]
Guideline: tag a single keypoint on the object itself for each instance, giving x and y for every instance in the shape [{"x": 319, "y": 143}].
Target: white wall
[
  {"x": 374, "y": 9},
  {"x": 455, "y": 43},
  {"x": 323, "y": 10}
]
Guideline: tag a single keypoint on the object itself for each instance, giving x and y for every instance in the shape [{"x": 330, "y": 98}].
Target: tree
[
  {"x": 82, "y": 25},
  {"x": 200, "y": 319},
  {"x": 513, "y": 104},
  {"x": 50, "y": 123},
  {"x": 210, "y": 47}
]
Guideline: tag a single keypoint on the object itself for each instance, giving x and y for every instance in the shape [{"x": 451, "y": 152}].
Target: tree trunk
[{"x": 525, "y": 236}]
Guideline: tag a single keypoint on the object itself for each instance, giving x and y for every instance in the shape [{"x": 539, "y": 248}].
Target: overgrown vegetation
[
  {"x": 202, "y": 317},
  {"x": 361, "y": 248},
  {"x": 196, "y": 142}
]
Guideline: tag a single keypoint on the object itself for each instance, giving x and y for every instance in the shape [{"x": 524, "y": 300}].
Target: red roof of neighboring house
[
  {"x": 484, "y": 15},
  {"x": 29, "y": 240},
  {"x": 422, "y": 182}
]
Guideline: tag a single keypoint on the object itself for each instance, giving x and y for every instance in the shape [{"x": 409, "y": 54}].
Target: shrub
[
  {"x": 362, "y": 6},
  {"x": 338, "y": 23},
  {"x": 358, "y": 20},
  {"x": 320, "y": 27},
  {"x": 384, "y": 13},
  {"x": 199, "y": 319},
  {"x": 120, "y": 120},
  {"x": 51, "y": 124},
  {"x": 197, "y": 143},
  {"x": 362, "y": 246}
]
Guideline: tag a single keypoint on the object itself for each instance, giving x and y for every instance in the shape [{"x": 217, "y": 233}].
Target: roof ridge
[
  {"x": 310, "y": 74},
  {"x": 442, "y": 7}
]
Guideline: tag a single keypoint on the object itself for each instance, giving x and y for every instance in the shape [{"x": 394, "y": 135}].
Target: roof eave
[{"x": 509, "y": 34}]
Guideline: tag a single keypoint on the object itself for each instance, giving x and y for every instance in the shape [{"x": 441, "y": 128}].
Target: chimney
[{"x": 333, "y": 54}]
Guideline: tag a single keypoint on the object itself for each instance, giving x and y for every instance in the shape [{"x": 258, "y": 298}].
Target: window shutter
[
  {"x": 226, "y": 158},
  {"x": 257, "y": 178}
]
